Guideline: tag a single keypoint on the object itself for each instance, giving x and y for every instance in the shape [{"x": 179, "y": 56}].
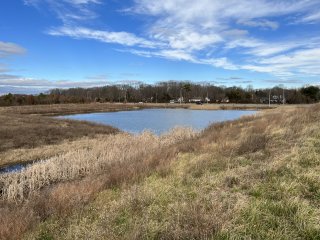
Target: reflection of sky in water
[
  {"x": 160, "y": 120},
  {"x": 13, "y": 168}
]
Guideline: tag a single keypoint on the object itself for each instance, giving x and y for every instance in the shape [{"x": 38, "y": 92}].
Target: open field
[{"x": 253, "y": 178}]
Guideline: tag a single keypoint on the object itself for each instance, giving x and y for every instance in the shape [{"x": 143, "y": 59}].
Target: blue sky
[{"x": 69, "y": 43}]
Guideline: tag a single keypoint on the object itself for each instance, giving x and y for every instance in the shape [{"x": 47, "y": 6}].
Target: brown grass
[
  {"x": 61, "y": 109},
  {"x": 107, "y": 161},
  {"x": 94, "y": 157},
  {"x": 29, "y": 131},
  {"x": 253, "y": 178}
]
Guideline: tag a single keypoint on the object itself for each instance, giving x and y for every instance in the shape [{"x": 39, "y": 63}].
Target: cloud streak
[
  {"x": 68, "y": 11},
  {"x": 18, "y": 81},
  {"x": 122, "y": 38},
  {"x": 8, "y": 49}
]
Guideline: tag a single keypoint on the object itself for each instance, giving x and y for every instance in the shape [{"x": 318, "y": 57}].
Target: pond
[
  {"x": 155, "y": 120},
  {"x": 160, "y": 120}
]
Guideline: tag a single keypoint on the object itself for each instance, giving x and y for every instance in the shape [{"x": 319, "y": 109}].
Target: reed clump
[{"x": 97, "y": 156}]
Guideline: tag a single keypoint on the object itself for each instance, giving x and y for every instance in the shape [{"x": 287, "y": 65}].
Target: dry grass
[
  {"x": 29, "y": 131},
  {"x": 232, "y": 106},
  {"x": 92, "y": 157},
  {"x": 60, "y": 109},
  {"x": 253, "y": 178},
  {"x": 107, "y": 161}
]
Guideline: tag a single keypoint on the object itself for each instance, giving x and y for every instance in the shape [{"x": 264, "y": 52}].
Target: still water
[{"x": 160, "y": 120}]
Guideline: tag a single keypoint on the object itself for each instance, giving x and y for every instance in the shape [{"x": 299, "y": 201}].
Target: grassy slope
[{"x": 255, "y": 178}]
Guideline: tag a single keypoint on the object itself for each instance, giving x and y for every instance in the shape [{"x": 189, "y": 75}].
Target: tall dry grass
[{"x": 97, "y": 156}]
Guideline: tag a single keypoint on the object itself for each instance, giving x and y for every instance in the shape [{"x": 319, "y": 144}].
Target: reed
[{"x": 97, "y": 156}]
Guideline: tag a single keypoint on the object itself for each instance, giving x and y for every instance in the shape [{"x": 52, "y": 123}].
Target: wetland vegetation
[{"x": 255, "y": 177}]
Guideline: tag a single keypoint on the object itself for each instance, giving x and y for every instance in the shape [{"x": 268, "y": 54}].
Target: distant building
[
  {"x": 274, "y": 99},
  {"x": 195, "y": 100},
  {"x": 225, "y": 100}
]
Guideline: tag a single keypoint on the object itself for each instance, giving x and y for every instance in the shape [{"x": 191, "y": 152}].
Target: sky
[{"x": 48, "y": 44}]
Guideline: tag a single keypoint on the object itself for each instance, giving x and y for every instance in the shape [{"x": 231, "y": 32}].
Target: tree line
[{"x": 163, "y": 92}]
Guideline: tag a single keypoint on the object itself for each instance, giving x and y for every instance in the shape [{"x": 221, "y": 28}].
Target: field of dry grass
[
  {"x": 232, "y": 106},
  {"x": 61, "y": 109},
  {"x": 253, "y": 178},
  {"x": 19, "y": 132}
]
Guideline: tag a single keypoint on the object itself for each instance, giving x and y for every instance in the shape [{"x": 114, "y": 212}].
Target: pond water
[
  {"x": 160, "y": 120},
  {"x": 13, "y": 168}
]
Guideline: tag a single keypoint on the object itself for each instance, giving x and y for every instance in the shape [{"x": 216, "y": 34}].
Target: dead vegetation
[
  {"x": 61, "y": 109},
  {"x": 30, "y": 131},
  {"x": 253, "y": 178},
  {"x": 93, "y": 157}
]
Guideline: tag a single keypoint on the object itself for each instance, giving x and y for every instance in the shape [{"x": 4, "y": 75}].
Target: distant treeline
[{"x": 163, "y": 92}]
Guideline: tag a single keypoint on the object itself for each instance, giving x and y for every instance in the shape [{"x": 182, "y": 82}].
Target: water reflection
[{"x": 160, "y": 120}]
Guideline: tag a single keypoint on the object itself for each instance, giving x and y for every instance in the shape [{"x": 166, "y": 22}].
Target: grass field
[{"x": 253, "y": 178}]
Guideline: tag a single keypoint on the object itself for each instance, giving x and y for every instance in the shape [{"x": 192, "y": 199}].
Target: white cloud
[
  {"x": 123, "y": 38},
  {"x": 74, "y": 2},
  {"x": 263, "y": 23},
  {"x": 299, "y": 62},
  {"x": 185, "y": 38},
  {"x": 83, "y": 1},
  {"x": 8, "y": 49},
  {"x": 213, "y": 12},
  {"x": 220, "y": 63},
  {"x": 259, "y": 48},
  {"x": 18, "y": 84},
  {"x": 168, "y": 54},
  {"x": 68, "y": 11},
  {"x": 312, "y": 18},
  {"x": 17, "y": 81}
]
